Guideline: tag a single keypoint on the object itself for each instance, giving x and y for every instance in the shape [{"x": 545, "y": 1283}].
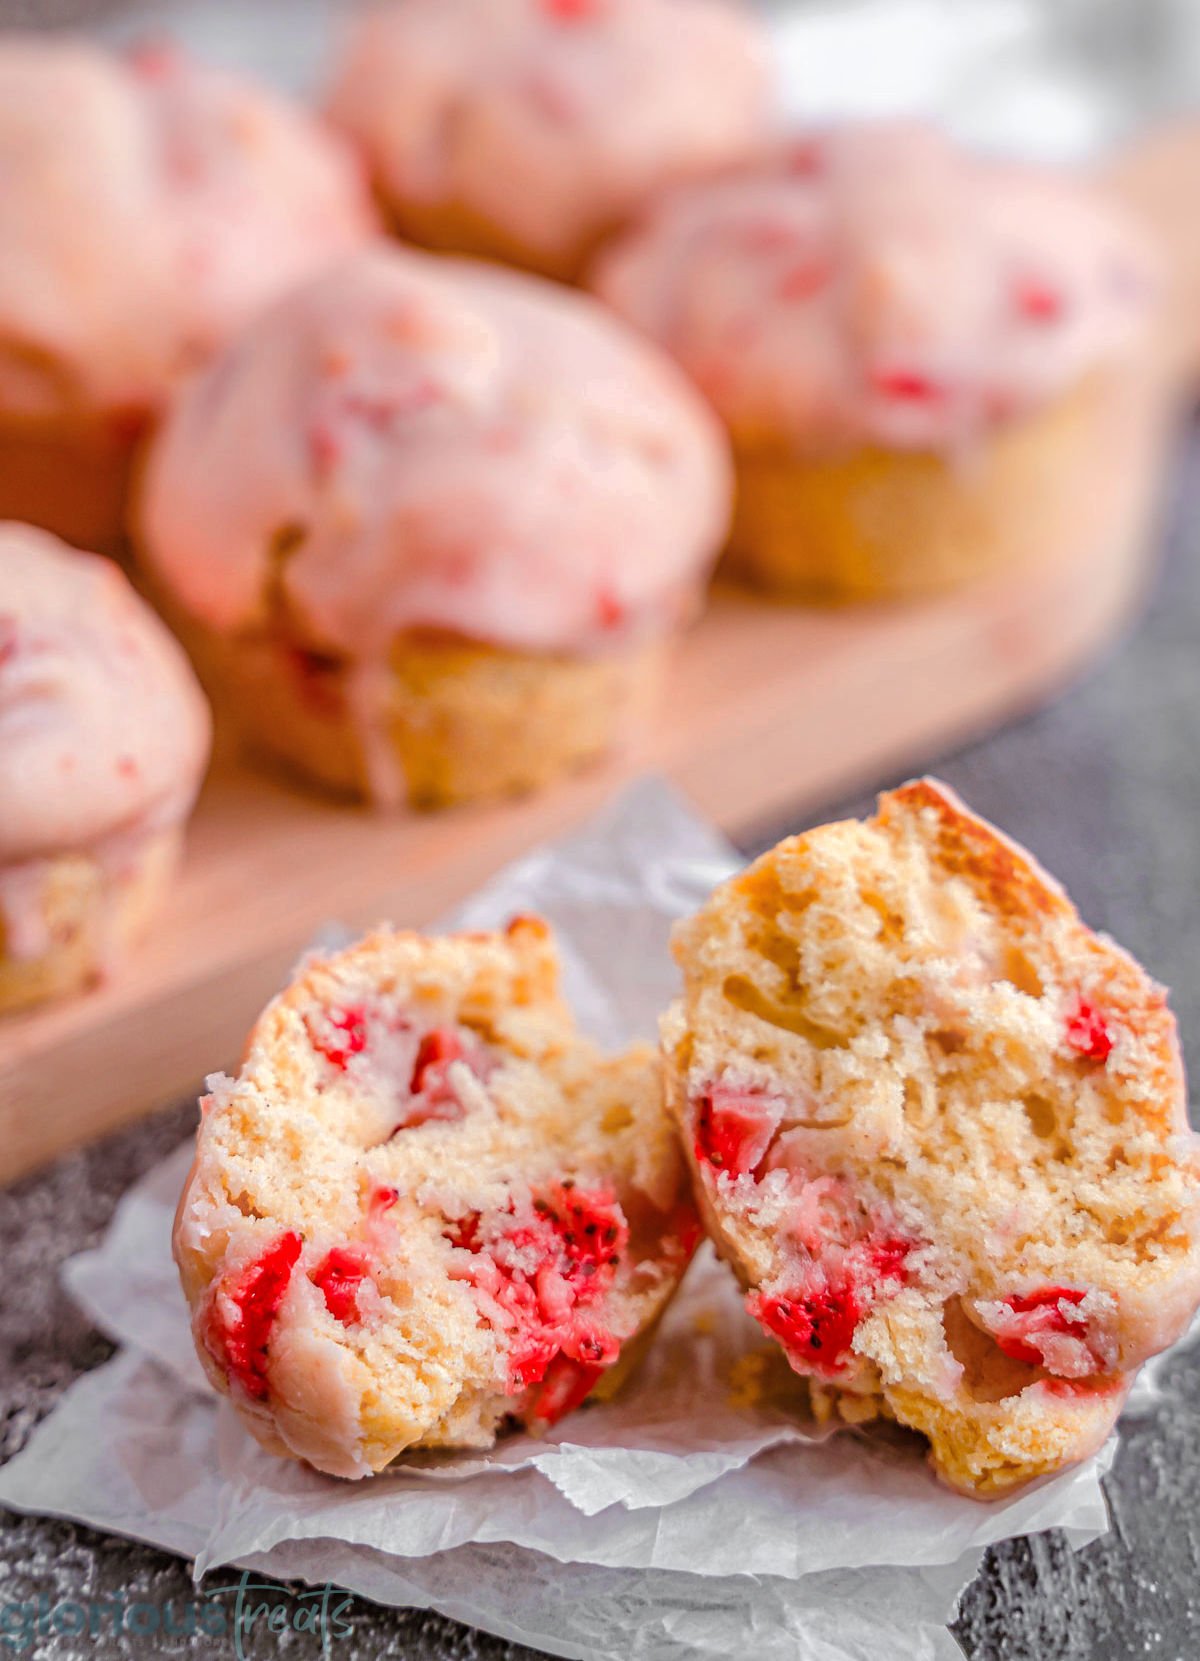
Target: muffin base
[
  {"x": 72, "y": 479},
  {"x": 453, "y": 228},
  {"x": 440, "y": 722},
  {"x": 882, "y": 524},
  {"x": 85, "y": 912}
]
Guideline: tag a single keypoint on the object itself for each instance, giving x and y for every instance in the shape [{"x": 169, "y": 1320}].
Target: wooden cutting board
[{"x": 771, "y": 709}]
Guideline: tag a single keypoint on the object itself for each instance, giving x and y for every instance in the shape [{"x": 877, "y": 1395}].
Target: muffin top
[
  {"x": 416, "y": 443},
  {"x": 549, "y": 118},
  {"x": 875, "y": 285},
  {"x": 145, "y": 224},
  {"x": 103, "y": 729}
]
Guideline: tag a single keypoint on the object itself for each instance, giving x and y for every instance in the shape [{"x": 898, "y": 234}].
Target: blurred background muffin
[
  {"x": 148, "y": 207},
  {"x": 104, "y": 739},
  {"x": 921, "y": 356},
  {"x": 522, "y": 130},
  {"x": 428, "y": 526}
]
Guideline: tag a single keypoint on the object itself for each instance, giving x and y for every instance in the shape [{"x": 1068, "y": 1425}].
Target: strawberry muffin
[
  {"x": 938, "y": 1127},
  {"x": 524, "y": 130},
  {"x": 103, "y": 742},
  {"x": 428, "y": 527},
  {"x": 925, "y": 360},
  {"x": 140, "y": 229},
  {"x": 427, "y": 1209}
]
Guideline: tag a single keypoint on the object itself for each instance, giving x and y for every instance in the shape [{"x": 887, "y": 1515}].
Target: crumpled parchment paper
[{"x": 700, "y": 1514}]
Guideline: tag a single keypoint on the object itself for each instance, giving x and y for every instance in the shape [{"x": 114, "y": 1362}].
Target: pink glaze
[
  {"x": 875, "y": 285},
  {"x": 549, "y": 118},
  {"x": 438, "y": 445},
  {"x": 104, "y": 733},
  {"x": 148, "y": 207}
]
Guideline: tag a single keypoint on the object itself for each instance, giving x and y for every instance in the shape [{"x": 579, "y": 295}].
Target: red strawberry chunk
[
  {"x": 339, "y": 1276},
  {"x": 907, "y": 386},
  {"x": 804, "y": 279},
  {"x": 734, "y": 1129},
  {"x": 1037, "y": 1317},
  {"x": 1039, "y": 301},
  {"x": 1087, "y": 1032},
  {"x": 536, "y": 1278},
  {"x": 346, "y": 1036},
  {"x": 238, "y": 1340},
  {"x": 437, "y": 1050},
  {"x": 566, "y": 1386},
  {"x": 572, "y": 11},
  {"x": 816, "y": 1330},
  {"x": 805, "y": 157},
  {"x": 817, "y": 1320}
]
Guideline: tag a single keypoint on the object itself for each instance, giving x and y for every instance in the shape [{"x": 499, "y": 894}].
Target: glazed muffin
[
  {"x": 427, "y": 1209},
  {"x": 524, "y": 130},
  {"x": 428, "y": 527},
  {"x": 939, "y": 1129},
  {"x": 103, "y": 741},
  {"x": 923, "y": 359},
  {"x": 138, "y": 233}
]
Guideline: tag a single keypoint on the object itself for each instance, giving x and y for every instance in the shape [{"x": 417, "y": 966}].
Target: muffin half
[
  {"x": 939, "y": 1129},
  {"x": 427, "y": 1208}
]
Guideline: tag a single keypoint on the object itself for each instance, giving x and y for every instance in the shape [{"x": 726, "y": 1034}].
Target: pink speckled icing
[
  {"x": 148, "y": 207},
  {"x": 441, "y": 445},
  {"x": 550, "y": 118},
  {"x": 875, "y": 285},
  {"x": 104, "y": 733}
]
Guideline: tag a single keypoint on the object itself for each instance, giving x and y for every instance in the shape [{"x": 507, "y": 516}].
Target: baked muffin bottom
[
  {"x": 442, "y": 721},
  {"x": 71, "y": 477},
  {"x": 881, "y": 524},
  {"x": 87, "y": 913}
]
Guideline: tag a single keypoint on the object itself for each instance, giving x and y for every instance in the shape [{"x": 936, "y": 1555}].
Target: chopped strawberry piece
[
  {"x": 238, "y": 1340},
  {"x": 437, "y": 1050},
  {"x": 805, "y": 157},
  {"x": 126, "y": 765},
  {"x": 734, "y": 1129},
  {"x": 8, "y": 638},
  {"x": 154, "y": 59},
  {"x": 816, "y": 1330},
  {"x": 383, "y": 1199},
  {"x": 464, "y": 1232},
  {"x": 816, "y": 1322},
  {"x": 1088, "y": 1034},
  {"x": 339, "y": 1277},
  {"x": 907, "y": 386},
  {"x": 325, "y": 448},
  {"x": 352, "y": 1024},
  {"x": 1037, "y": 1316},
  {"x": 318, "y": 678},
  {"x": 537, "y": 1277},
  {"x": 1039, "y": 301},
  {"x": 804, "y": 279},
  {"x": 572, "y": 11},
  {"x": 610, "y": 613},
  {"x": 566, "y": 1386}
]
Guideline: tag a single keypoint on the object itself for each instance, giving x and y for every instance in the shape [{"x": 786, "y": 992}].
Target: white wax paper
[{"x": 691, "y": 1517}]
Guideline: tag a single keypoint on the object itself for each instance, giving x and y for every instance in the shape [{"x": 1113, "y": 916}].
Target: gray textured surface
[{"x": 1104, "y": 786}]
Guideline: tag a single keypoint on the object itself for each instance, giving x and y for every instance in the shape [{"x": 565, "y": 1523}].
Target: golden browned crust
[
  {"x": 878, "y": 523},
  {"x": 91, "y": 917}
]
